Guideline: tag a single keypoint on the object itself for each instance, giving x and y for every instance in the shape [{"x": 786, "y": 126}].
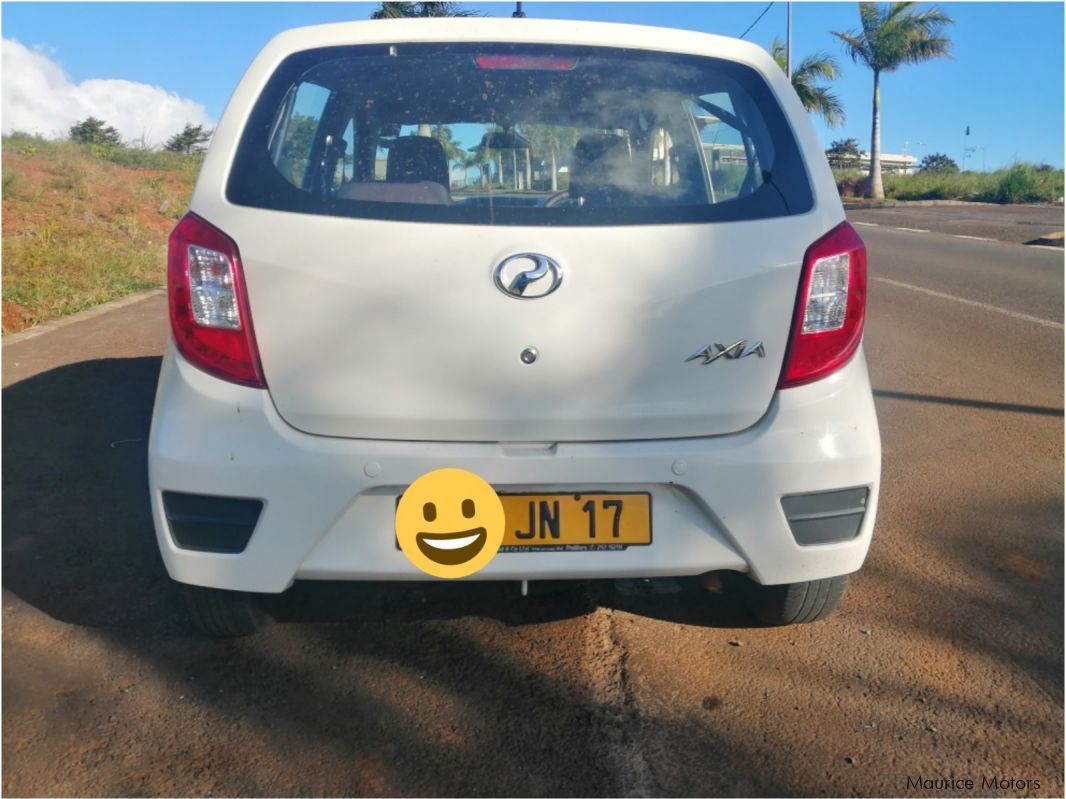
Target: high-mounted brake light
[
  {"x": 830, "y": 307},
  {"x": 512, "y": 61},
  {"x": 209, "y": 312}
]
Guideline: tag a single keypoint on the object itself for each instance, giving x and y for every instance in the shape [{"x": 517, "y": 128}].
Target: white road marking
[
  {"x": 866, "y": 224},
  {"x": 1045, "y": 247},
  {"x": 983, "y": 305},
  {"x": 913, "y": 229},
  {"x": 972, "y": 238}
]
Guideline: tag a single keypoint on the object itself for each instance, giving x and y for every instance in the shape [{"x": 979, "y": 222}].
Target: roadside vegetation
[
  {"x": 85, "y": 221},
  {"x": 1019, "y": 183}
]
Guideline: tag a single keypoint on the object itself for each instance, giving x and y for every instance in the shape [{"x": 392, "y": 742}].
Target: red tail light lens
[
  {"x": 209, "y": 313},
  {"x": 830, "y": 307}
]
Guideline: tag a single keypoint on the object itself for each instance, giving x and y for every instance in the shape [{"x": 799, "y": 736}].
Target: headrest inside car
[{"x": 416, "y": 158}]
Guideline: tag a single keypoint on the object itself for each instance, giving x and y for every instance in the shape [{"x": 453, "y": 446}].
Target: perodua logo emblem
[{"x": 527, "y": 276}]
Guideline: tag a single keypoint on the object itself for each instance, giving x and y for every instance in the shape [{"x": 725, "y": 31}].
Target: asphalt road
[
  {"x": 1013, "y": 223},
  {"x": 945, "y": 659}
]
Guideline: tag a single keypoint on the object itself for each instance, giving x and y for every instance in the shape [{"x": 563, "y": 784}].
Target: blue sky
[{"x": 1005, "y": 82}]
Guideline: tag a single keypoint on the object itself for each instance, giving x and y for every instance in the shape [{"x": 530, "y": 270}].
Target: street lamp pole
[{"x": 788, "y": 41}]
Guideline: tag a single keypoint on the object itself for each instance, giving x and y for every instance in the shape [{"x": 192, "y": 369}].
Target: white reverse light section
[
  {"x": 214, "y": 302},
  {"x": 827, "y": 301}
]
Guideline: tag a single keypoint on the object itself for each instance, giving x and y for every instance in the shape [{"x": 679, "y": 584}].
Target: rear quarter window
[{"x": 518, "y": 134}]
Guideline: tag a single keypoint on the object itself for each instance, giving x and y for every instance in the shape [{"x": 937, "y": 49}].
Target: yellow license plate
[{"x": 575, "y": 522}]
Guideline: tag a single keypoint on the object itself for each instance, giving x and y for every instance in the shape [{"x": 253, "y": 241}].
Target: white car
[{"x": 605, "y": 267}]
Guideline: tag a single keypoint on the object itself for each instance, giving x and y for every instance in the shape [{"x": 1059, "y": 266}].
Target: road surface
[
  {"x": 944, "y": 661},
  {"x": 1020, "y": 224}
]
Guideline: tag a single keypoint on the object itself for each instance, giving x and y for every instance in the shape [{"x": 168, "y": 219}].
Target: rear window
[{"x": 530, "y": 135}]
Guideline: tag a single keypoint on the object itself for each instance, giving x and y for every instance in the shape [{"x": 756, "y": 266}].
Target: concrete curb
[
  {"x": 1049, "y": 239},
  {"x": 850, "y": 206},
  {"x": 81, "y": 316}
]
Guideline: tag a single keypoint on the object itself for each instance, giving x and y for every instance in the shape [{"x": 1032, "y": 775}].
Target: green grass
[
  {"x": 1019, "y": 183},
  {"x": 29, "y": 145},
  {"x": 85, "y": 224}
]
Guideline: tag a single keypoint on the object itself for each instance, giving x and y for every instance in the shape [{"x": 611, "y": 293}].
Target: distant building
[{"x": 896, "y": 164}]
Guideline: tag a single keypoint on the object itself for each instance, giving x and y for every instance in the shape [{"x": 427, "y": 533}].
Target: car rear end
[{"x": 604, "y": 267}]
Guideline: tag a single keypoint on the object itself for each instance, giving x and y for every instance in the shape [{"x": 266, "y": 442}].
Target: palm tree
[
  {"x": 471, "y": 160},
  {"x": 816, "y": 99},
  {"x": 484, "y": 158},
  {"x": 452, "y": 151},
  {"x": 890, "y": 37},
  {"x": 401, "y": 10},
  {"x": 551, "y": 141}
]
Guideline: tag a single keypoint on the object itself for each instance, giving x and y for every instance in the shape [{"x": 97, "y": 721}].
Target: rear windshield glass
[{"x": 506, "y": 134}]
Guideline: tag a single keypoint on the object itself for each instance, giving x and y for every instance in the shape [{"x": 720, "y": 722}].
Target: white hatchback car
[{"x": 584, "y": 261}]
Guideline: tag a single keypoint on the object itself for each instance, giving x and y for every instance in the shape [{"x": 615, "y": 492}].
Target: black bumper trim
[
  {"x": 826, "y": 517},
  {"x": 211, "y": 524}
]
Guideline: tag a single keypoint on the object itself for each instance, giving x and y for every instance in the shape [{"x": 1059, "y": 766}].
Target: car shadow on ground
[{"x": 79, "y": 542}]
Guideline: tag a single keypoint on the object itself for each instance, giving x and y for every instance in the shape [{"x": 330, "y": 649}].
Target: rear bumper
[{"x": 328, "y": 503}]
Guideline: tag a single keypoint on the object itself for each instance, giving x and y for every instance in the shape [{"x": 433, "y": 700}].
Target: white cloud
[{"x": 38, "y": 97}]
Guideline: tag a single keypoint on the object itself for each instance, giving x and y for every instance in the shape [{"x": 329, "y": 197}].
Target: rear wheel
[
  {"x": 793, "y": 603},
  {"x": 224, "y": 614}
]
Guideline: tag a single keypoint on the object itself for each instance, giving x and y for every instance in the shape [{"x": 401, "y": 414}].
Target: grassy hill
[{"x": 84, "y": 224}]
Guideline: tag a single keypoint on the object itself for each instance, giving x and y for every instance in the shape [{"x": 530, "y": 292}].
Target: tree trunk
[
  {"x": 668, "y": 165},
  {"x": 874, "y": 187},
  {"x": 555, "y": 172}
]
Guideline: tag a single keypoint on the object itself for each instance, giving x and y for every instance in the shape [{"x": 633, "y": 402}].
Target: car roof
[{"x": 529, "y": 31}]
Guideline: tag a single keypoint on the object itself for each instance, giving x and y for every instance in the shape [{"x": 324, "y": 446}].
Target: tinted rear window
[{"x": 530, "y": 135}]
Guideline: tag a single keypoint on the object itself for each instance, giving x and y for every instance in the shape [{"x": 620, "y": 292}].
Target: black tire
[
  {"x": 224, "y": 614},
  {"x": 793, "y": 603}
]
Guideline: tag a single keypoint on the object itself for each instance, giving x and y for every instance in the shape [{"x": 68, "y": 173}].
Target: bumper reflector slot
[
  {"x": 211, "y": 524},
  {"x": 825, "y": 517}
]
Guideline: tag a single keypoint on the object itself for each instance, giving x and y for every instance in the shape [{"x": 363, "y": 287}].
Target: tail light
[
  {"x": 515, "y": 61},
  {"x": 830, "y": 307},
  {"x": 209, "y": 311}
]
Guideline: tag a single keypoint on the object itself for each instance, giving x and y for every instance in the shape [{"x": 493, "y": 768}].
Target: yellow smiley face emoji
[{"x": 449, "y": 523}]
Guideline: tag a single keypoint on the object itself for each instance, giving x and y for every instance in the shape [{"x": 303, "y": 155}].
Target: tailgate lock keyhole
[{"x": 529, "y": 355}]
